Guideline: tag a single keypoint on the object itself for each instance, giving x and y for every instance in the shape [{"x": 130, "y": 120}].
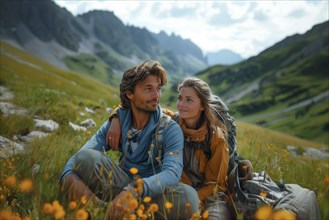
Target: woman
[{"x": 206, "y": 172}]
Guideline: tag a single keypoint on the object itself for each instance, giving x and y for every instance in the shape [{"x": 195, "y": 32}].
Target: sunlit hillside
[{"x": 51, "y": 93}]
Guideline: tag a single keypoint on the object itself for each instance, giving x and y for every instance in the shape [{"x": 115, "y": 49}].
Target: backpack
[
  {"x": 163, "y": 122},
  {"x": 247, "y": 197},
  {"x": 222, "y": 113}
]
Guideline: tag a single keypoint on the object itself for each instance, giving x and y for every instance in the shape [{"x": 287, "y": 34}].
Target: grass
[{"x": 51, "y": 93}]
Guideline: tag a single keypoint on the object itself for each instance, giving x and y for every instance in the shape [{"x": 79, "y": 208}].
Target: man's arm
[{"x": 172, "y": 163}]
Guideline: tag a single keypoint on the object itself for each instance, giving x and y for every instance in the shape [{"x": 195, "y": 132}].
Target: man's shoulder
[{"x": 172, "y": 129}]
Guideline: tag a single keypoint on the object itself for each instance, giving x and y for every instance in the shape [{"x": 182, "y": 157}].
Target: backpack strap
[{"x": 163, "y": 122}]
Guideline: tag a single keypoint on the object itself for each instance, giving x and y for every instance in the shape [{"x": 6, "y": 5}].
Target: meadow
[{"x": 50, "y": 93}]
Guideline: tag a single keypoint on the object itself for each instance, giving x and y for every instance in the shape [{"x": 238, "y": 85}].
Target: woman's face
[{"x": 189, "y": 104}]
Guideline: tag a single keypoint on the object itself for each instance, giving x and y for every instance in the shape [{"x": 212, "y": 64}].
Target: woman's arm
[{"x": 216, "y": 168}]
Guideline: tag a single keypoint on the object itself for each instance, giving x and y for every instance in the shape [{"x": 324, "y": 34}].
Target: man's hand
[
  {"x": 245, "y": 169},
  {"x": 114, "y": 134},
  {"x": 75, "y": 188},
  {"x": 117, "y": 205}
]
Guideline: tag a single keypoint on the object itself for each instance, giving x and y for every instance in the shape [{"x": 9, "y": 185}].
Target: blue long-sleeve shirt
[{"x": 156, "y": 176}]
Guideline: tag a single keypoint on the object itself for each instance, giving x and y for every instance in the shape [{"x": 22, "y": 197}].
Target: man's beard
[{"x": 144, "y": 110}]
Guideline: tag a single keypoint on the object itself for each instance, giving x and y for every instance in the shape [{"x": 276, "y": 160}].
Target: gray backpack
[{"x": 246, "y": 197}]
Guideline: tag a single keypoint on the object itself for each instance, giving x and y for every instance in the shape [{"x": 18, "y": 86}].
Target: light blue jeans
[
  {"x": 106, "y": 180},
  {"x": 216, "y": 206}
]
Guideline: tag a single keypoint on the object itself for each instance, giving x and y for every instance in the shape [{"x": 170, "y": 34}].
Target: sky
[{"x": 245, "y": 27}]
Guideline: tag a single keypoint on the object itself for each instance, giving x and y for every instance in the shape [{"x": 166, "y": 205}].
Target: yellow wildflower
[
  {"x": 188, "y": 205},
  {"x": 141, "y": 207},
  {"x": 205, "y": 214},
  {"x": 263, "y": 212},
  {"x": 26, "y": 185},
  {"x": 81, "y": 214},
  {"x": 56, "y": 205},
  {"x": 326, "y": 180},
  {"x": 195, "y": 216},
  {"x": 72, "y": 205},
  {"x": 139, "y": 181},
  {"x": 168, "y": 205},
  {"x": 263, "y": 194},
  {"x": 84, "y": 200},
  {"x": 5, "y": 214},
  {"x": 133, "y": 170},
  {"x": 59, "y": 213},
  {"x": 48, "y": 208},
  {"x": 283, "y": 215},
  {"x": 128, "y": 195},
  {"x": 147, "y": 199},
  {"x": 133, "y": 204},
  {"x": 153, "y": 208},
  {"x": 10, "y": 181},
  {"x": 139, "y": 212}
]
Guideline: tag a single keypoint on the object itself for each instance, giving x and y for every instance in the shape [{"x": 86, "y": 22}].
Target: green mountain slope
[
  {"x": 51, "y": 92},
  {"x": 286, "y": 87}
]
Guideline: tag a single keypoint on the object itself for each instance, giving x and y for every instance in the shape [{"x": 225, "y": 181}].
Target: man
[{"x": 93, "y": 174}]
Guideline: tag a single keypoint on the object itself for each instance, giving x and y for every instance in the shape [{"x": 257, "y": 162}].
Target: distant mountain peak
[{"x": 223, "y": 57}]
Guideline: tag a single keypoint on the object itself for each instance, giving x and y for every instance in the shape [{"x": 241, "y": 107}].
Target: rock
[
  {"x": 33, "y": 135},
  {"x": 35, "y": 169},
  {"x": 88, "y": 123},
  {"x": 9, "y": 148},
  {"x": 315, "y": 153},
  {"x": 47, "y": 125},
  {"x": 5, "y": 94},
  {"x": 309, "y": 152},
  {"x": 89, "y": 110},
  {"x": 8, "y": 109},
  {"x": 77, "y": 127}
]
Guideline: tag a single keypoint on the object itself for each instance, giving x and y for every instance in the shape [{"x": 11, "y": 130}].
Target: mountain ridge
[
  {"x": 117, "y": 45},
  {"x": 292, "y": 71},
  {"x": 223, "y": 57}
]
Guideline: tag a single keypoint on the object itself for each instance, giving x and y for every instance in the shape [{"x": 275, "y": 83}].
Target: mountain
[
  {"x": 183, "y": 49},
  {"x": 223, "y": 57},
  {"x": 285, "y": 87},
  {"x": 96, "y": 43}
]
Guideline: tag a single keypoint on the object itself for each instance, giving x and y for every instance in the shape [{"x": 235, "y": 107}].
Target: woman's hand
[{"x": 114, "y": 134}]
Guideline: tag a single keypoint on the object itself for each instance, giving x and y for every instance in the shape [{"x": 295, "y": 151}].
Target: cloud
[
  {"x": 260, "y": 16},
  {"x": 299, "y": 13},
  {"x": 246, "y": 27},
  {"x": 222, "y": 17}
]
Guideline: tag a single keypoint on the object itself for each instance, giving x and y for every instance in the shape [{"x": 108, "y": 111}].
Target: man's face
[{"x": 147, "y": 94}]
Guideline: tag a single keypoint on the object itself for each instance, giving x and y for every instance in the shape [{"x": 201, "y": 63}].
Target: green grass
[{"x": 51, "y": 93}]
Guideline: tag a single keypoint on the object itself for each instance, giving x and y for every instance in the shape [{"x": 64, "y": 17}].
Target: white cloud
[{"x": 246, "y": 27}]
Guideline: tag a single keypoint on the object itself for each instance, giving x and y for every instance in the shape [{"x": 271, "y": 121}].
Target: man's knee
[
  {"x": 191, "y": 197},
  {"x": 85, "y": 161}
]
